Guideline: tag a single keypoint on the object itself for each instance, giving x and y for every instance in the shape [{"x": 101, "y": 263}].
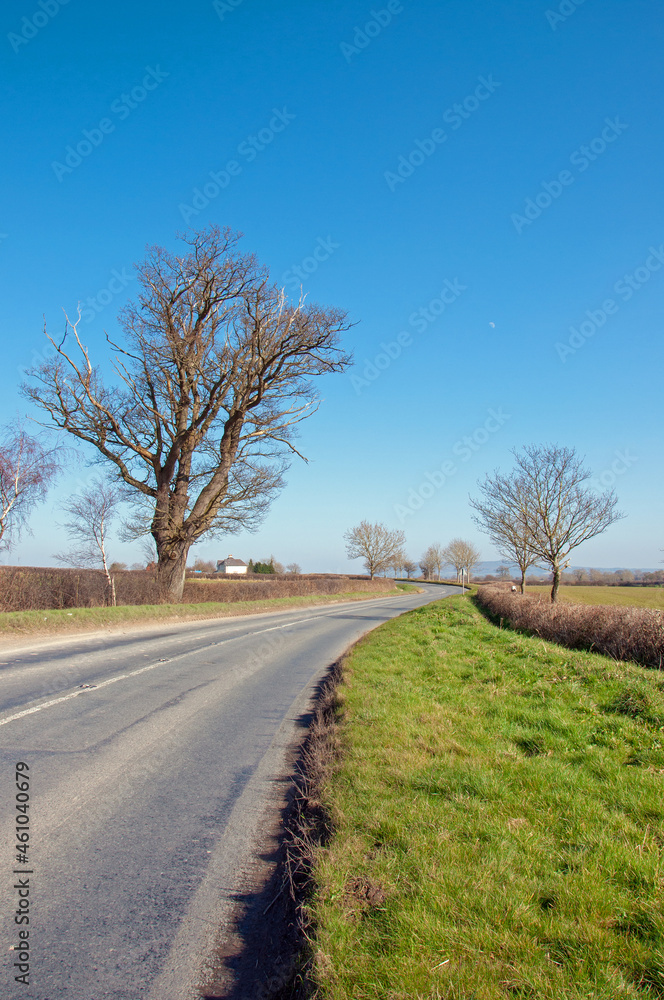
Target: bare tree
[
  {"x": 27, "y": 470},
  {"x": 396, "y": 562},
  {"x": 374, "y": 543},
  {"x": 503, "y": 572},
  {"x": 213, "y": 378},
  {"x": 502, "y": 513},
  {"x": 293, "y": 568},
  {"x": 409, "y": 567},
  {"x": 464, "y": 556},
  {"x": 204, "y": 565},
  {"x": 90, "y": 515},
  {"x": 561, "y": 512}
]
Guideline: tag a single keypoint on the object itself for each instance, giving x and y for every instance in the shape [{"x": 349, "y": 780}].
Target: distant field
[{"x": 639, "y": 597}]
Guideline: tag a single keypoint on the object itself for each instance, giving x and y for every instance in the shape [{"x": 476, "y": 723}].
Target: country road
[{"x": 153, "y": 755}]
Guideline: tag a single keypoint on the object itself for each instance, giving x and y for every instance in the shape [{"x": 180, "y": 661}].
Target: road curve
[{"x": 152, "y": 757}]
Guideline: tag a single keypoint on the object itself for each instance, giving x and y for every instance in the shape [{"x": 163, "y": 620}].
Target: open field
[
  {"x": 638, "y": 597},
  {"x": 39, "y": 623},
  {"x": 498, "y": 820}
]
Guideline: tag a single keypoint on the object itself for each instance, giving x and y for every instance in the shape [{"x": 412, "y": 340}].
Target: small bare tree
[
  {"x": 502, "y": 513},
  {"x": 293, "y": 568},
  {"x": 409, "y": 567},
  {"x": 213, "y": 377},
  {"x": 561, "y": 512},
  {"x": 464, "y": 556},
  {"x": 90, "y": 515},
  {"x": 27, "y": 470},
  {"x": 376, "y": 544}
]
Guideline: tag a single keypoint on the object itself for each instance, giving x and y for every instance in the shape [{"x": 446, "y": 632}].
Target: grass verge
[
  {"x": 497, "y": 816},
  {"x": 636, "y": 597},
  {"x": 41, "y": 623}
]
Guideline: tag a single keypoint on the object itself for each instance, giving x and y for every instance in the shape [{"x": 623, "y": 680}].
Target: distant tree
[
  {"x": 503, "y": 572},
  {"x": 462, "y": 555},
  {"x": 397, "y": 562},
  {"x": 27, "y": 469},
  {"x": 409, "y": 567},
  {"x": 502, "y": 513},
  {"x": 375, "y": 543},
  {"x": 204, "y": 566},
  {"x": 90, "y": 515},
  {"x": 293, "y": 568},
  {"x": 580, "y": 576},
  {"x": 278, "y": 567},
  {"x": 561, "y": 512},
  {"x": 117, "y": 567},
  {"x": 260, "y": 567}
]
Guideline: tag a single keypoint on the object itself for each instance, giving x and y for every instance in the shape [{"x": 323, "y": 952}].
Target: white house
[{"x": 231, "y": 565}]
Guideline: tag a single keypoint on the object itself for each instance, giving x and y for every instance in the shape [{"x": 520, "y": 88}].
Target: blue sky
[{"x": 482, "y": 180}]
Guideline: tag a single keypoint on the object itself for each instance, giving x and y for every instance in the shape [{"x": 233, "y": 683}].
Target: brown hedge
[
  {"x": 31, "y": 588},
  {"x": 623, "y": 633}
]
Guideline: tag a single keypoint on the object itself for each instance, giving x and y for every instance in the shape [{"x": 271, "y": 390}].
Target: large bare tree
[
  {"x": 27, "y": 469},
  {"x": 502, "y": 512},
  {"x": 213, "y": 376},
  {"x": 560, "y": 511},
  {"x": 376, "y": 544}
]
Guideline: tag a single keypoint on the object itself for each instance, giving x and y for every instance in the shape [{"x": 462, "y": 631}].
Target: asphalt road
[{"x": 152, "y": 757}]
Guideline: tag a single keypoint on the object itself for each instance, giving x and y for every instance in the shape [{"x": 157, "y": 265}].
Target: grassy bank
[
  {"x": 637, "y": 597},
  {"x": 41, "y": 623},
  {"x": 498, "y": 820}
]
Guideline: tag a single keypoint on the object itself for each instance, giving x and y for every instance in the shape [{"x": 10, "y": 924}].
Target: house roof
[{"x": 230, "y": 561}]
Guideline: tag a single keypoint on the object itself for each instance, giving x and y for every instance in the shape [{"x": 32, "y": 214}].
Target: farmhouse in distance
[{"x": 231, "y": 565}]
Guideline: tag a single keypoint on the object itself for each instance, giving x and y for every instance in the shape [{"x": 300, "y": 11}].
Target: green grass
[
  {"x": 638, "y": 597},
  {"x": 498, "y": 818},
  {"x": 15, "y": 623}
]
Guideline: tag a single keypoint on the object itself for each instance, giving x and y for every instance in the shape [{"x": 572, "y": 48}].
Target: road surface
[{"x": 152, "y": 757}]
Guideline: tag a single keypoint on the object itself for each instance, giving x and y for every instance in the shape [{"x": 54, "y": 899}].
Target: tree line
[{"x": 197, "y": 423}]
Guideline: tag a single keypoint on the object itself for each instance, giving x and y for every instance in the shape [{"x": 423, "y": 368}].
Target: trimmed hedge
[
  {"x": 623, "y": 633},
  {"x": 29, "y": 588}
]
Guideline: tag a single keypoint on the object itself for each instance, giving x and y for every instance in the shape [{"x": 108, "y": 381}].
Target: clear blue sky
[{"x": 430, "y": 238}]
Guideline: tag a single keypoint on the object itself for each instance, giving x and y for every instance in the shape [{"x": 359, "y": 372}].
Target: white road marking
[{"x": 142, "y": 670}]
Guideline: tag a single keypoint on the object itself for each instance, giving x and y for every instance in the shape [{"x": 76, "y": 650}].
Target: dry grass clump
[
  {"x": 30, "y": 588},
  {"x": 624, "y": 633}
]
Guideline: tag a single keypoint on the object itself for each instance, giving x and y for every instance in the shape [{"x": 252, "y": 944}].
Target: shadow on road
[{"x": 263, "y": 960}]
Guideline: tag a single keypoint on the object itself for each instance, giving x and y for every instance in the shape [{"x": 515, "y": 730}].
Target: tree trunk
[
  {"x": 556, "y": 584},
  {"x": 170, "y": 572},
  {"x": 523, "y": 581}
]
